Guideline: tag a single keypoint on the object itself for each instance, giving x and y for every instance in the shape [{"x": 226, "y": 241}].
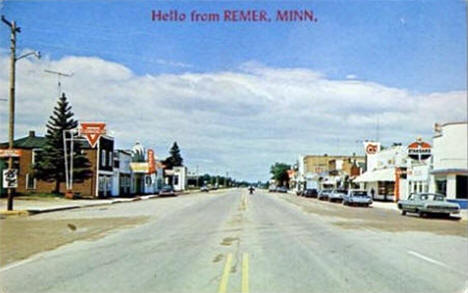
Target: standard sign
[
  {"x": 419, "y": 150},
  {"x": 10, "y": 153},
  {"x": 10, "y": 178}
]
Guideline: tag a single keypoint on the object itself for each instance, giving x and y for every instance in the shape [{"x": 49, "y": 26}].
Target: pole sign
[
  {"x": 10, "y": 178},
  {"x": 371, "y": 148},
  {"x": 10, "y": 153},
  {"x": 151, "y": 162},
  {"x": 419, "y": 150},
  {"x": 92, "y": 131}
]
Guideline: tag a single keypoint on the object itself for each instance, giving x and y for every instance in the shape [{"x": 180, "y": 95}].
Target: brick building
[{"x": 99, "y": 184}]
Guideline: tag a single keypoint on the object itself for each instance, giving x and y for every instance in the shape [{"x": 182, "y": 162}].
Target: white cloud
[{"x": 239, "y": 121}]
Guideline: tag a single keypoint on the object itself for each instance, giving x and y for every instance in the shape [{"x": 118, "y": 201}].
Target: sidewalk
[{"x": 24, "y": 206}]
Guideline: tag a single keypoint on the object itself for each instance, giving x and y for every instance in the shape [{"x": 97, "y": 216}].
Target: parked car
[
  {"x": 357, "y": 198},
  {"x": 167, "y": 190},
  {"x": 312, "y": 192},
  {"x": 204, "y": 188},
  {"x": 337, "y": 195},
  {"x": 323, "y": 194},
  {"x": 282, "y": 189},
  {"x": 272, "y": 189},
  {"x": 428, "y": 203}
]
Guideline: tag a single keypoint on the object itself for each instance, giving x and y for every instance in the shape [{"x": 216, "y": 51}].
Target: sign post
[{"x": 91, "y": 131}]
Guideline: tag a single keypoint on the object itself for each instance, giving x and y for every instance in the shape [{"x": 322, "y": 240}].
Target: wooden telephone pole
[{"x": 11, "y": 129}]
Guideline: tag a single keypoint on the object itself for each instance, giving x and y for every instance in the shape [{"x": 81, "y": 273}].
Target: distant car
[
  {"x": 323, "y": 194},
  {"x": 312, "y": 192},
  {"x": 337, "y": 195},
  {"x": 204, "y": 189},
  {"x": 428, "y": 203},
  {"x": 272, "y": 189},
  {"x": 282, "y": 189},
  {"x": 167, "y": 190},
  {"x": 357, "y": 198}
]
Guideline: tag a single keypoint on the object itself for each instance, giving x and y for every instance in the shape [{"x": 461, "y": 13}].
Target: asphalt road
[{"x": 234, "y": 242}]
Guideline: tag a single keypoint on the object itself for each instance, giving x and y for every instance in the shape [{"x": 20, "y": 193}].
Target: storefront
[
  {"x": 380, "y": 184},
  {"x": 450, "y": 163}
]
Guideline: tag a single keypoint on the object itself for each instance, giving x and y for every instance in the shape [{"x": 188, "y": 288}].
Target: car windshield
[
  {"x": 340, "y": 191},
  {"x": 360, "y": 193}
]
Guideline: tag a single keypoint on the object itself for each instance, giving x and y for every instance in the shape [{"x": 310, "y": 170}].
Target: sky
[{"x": 238, "y": 97}]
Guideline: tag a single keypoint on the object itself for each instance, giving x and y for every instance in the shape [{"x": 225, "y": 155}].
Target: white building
[
  {"x": 122, "y": 178},
  {"x": 178, "y": 178},
  {"x": 381, "y": 173},
  {"x": 449, "y": 174}
]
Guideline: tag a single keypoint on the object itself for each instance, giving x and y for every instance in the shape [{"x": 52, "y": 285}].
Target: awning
[
  {"x": 377, "y": 175},
  {"x": 449, "y": 171}
]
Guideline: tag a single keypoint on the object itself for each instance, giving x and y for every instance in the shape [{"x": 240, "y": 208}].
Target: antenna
[{"x": 59, "y": 75}]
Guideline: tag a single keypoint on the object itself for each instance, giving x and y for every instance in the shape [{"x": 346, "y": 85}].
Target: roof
[
  {"x": 377, "y": 175},
  {"x": 28, "y": 142}
]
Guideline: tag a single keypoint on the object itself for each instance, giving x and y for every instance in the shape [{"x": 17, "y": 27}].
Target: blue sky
[
  {"x": 396, "y": 43},
  {"x": 239, "y": 96}
]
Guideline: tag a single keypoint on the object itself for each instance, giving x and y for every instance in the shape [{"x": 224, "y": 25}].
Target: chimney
[{"x": 32, "y": 133}]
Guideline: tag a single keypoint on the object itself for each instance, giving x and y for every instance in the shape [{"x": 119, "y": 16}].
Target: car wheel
[
  {"x": 403, "y": 212},
  {"x": 421, "y": 214}
]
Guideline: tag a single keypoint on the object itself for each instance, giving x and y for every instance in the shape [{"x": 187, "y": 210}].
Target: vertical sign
[{"x": 151, "y": 162}]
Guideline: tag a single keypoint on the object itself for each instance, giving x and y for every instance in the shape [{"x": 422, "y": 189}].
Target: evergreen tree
[
  {"x": 49, "y": 162},
  {"x": 175, "y": 159}
]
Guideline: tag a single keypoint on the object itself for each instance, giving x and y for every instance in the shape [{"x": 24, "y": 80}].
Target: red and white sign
[
  {"x": 92, "y": 131},
  {"x": 10, "y": 153},
  {"x": 151, "y": 162},
  {"x": 419, "y": 150},
  {"x": 372, "y": 147}
]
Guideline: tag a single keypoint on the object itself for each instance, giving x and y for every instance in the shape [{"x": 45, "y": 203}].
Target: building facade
[{"x": 449, "y": 174}]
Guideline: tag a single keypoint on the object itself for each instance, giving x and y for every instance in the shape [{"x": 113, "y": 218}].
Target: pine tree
[
  {"x": 175, "y": 159},
  {"x": 49, "y": 162}
]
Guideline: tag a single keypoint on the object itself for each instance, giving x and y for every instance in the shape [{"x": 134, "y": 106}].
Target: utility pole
[{"x": 11, "y": 131}]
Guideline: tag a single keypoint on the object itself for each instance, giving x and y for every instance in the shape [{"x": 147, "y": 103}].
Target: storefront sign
[
  {"x": 92, "y": 131},
  {"x": 371, "y": 148},
  {"x": 419, "y": 150},
  {"x": 139, "y": 168},
  {"x": 10, "y": 153},
  {"x": 151, "y": 162}
]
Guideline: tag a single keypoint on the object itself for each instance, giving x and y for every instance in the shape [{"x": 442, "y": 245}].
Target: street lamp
[{"x": 14, "y": 30}]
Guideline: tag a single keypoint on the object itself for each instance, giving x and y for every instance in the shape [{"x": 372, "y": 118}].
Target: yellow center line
[
  {"x": 225, "y": 277},
  {"x": 245, "y": 273}
]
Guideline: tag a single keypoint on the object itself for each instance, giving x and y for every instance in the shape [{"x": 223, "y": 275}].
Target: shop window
[
  {"x": 30, "y": 182},
  {"x": 110, "y": 159},
  {"x": 462, "y": 187},
  {"x": 441, "y": 186},
  {"x": 103, "y": 158}
]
